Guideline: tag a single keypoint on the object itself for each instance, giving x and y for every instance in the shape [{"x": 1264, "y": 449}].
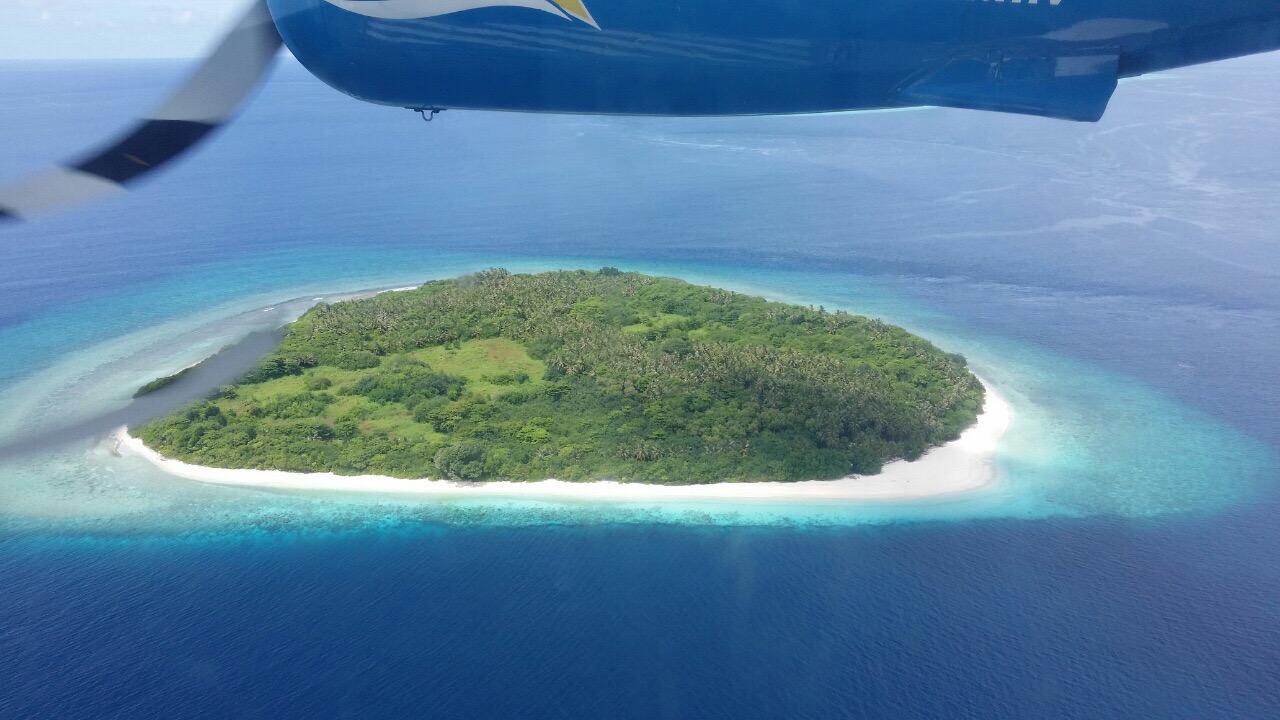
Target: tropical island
[{"x": 579, "y": 376}]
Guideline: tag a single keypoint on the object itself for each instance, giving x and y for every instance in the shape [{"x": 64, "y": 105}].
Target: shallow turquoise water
[
  {"x": 1118, "y": 283},
  {"x": 1084, "y": 441}
]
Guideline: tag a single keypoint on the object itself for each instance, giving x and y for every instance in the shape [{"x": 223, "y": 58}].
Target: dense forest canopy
[{"x": 580, "y": 376}]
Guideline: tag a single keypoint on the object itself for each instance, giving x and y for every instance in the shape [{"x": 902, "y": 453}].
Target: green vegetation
[
  {"x": 581, "y": 376},
  {"x": 162, "y": 382}
]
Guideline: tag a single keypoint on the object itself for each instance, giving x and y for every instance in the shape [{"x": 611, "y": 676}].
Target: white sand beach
[{"x": 964, "y": 465}]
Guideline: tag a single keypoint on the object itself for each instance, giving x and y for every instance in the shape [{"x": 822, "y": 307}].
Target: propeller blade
[
  {"x": 203, "y": 380},
  {"x": 205, "y": 101}
]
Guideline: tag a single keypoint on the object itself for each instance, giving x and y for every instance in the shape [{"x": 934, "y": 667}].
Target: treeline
[{"x": 641, "y": 378}]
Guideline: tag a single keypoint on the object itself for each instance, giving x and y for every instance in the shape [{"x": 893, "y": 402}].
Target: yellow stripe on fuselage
[{"x": 578, "y": 10}]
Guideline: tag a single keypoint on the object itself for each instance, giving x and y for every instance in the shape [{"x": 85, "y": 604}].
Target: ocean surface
[{"x": 1119, "y": 283}]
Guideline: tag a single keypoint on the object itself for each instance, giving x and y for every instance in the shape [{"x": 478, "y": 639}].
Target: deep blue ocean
[{"x": 1119, "y": 283}]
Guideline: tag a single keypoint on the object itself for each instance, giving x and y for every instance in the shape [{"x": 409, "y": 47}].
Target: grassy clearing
[{"x": 581, "y": 376}]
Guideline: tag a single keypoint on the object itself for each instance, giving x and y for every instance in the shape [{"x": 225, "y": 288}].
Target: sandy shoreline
[{"x": 964, "y": 465}]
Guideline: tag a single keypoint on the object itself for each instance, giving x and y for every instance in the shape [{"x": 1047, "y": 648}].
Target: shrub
[
  {"x": 463, "y": 461},
  {"x": 316, "y": 383},
  {"x": 357, "y": 360}
]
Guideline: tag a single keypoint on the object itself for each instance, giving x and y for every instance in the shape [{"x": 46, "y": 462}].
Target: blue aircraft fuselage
[{"x": 1057, "y": 58}]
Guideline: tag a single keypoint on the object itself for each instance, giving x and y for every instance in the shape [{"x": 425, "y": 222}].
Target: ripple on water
[{"x": 1083, "y": 441}]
